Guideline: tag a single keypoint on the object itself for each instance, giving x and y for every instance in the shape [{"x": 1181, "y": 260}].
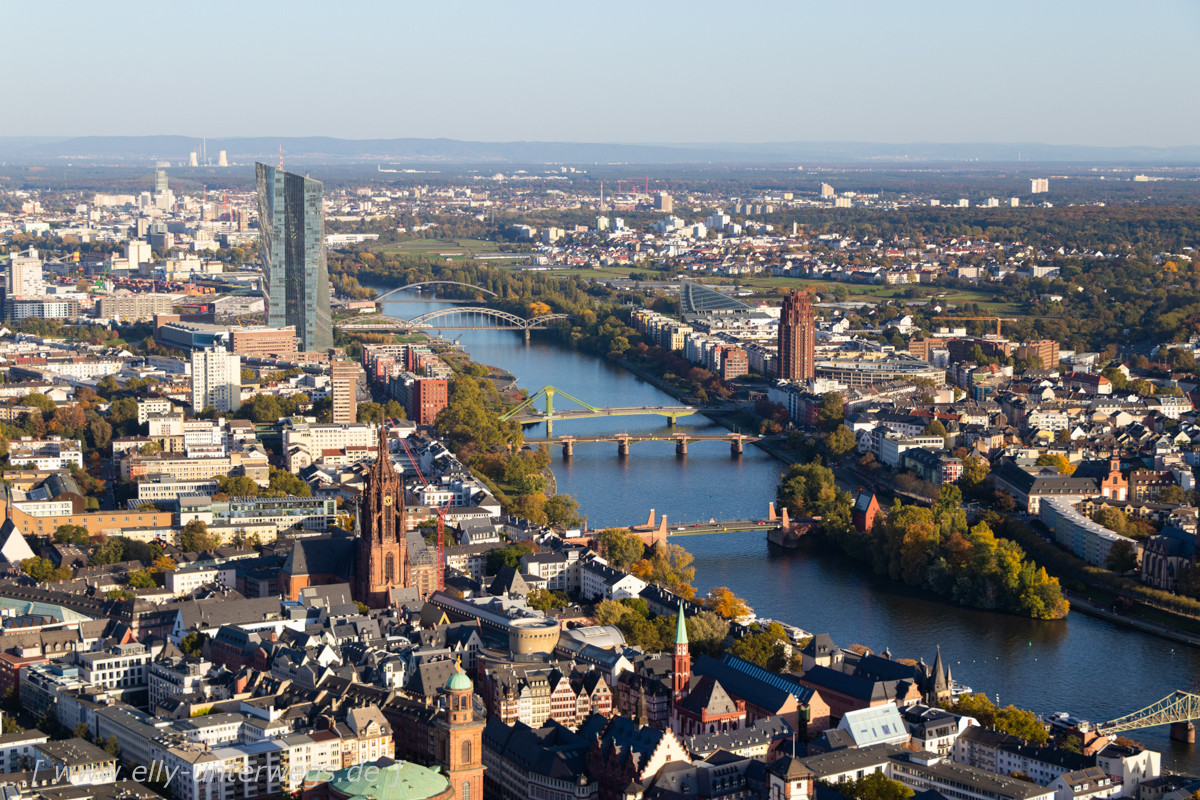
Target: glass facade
[{"x": 295, "y": 275}]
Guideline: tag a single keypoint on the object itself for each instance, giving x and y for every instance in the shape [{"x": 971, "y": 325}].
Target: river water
[{"x": 1091, "y": 668}]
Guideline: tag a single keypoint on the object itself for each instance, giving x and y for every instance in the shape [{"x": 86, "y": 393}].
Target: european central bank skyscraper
[{"x": 291, "y": 219}]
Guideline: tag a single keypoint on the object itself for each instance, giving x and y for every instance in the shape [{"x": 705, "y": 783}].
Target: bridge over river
[{"x": 736, "y": 441}]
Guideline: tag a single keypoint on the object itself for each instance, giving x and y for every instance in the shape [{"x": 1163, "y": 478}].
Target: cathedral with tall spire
[
  {"x": 381, "y": 555},
  {"x": 382, "y": 563}
]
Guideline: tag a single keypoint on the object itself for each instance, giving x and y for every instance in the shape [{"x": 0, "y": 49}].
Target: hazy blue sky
[{"x": 1057, "y": 71}]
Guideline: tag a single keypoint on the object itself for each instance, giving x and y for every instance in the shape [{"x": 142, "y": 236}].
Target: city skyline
[{"x": 1064, "y": 73}]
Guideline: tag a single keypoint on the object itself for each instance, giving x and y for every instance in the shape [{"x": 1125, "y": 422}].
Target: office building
[
  {"x": 216, "y": 380},
  {"x": 260, "y": 341},
  {"x": 1039, "y": 185},
  {"x": 343, "y": 390},
  {"x": 797, "y": 337},
  {"x": 295, "y": 275},
  {"x": 664, "y": 202},
  {"x": 160, "y": 181}
]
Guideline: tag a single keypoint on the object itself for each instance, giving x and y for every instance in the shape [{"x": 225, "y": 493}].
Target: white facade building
[{"x": 216, "y": 380}]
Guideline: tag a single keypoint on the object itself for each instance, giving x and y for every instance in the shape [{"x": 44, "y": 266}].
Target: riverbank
[{"x": 1085, "y": 605}]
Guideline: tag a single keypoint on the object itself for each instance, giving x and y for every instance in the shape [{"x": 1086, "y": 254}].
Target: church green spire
[{"x": 680, "y": 628}]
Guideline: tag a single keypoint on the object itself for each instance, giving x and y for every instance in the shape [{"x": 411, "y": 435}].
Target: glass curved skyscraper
[{"x": 291, "y": 218}]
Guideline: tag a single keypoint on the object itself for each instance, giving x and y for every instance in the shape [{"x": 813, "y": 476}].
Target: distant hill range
[{"x": 415, "y": 152}]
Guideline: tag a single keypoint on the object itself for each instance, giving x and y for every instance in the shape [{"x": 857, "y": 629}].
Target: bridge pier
[
  {"x": 1183, "y": 732},
  {"x": 527, "y": 336},
  {"x": 735, "y": 447},
  {"x": 622, "y": 448},
  {"x": 681, "y": 447},
  {"x": 568, "y": 449},
  {"x": 671, "y": 421}
]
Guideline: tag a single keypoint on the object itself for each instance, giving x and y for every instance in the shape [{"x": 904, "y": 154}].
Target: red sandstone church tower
[
  {"x": 797, "y": 338},
  {"x": 382, "y": 548},
  {"x": 459, "y": 739},
  {"x": 681, "y": 668}
]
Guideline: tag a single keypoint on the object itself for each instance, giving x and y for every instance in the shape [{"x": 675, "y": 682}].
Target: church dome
[
  {"x": 459, "y": 682},
  {"x": 399, "y": 780}
]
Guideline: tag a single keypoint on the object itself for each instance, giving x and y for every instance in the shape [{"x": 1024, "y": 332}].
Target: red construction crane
[
  {"x": 633, "y": 184},
  {"x": 441, "y": 512}
]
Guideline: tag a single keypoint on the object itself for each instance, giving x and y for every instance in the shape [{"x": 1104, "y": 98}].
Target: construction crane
[
  {"x": 997, "y": 320},
  {"x": 633, "y": 183},
  {"x": 441, "y": 512}
]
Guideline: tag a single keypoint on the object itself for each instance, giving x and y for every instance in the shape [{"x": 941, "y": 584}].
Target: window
[{"x": 466, "y": 790}]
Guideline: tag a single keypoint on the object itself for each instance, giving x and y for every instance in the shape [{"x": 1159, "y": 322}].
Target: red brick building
[{"x": 427, "y": 399}]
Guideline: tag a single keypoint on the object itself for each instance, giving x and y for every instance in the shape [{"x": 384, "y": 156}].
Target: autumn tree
[
  {"x": 840, "y": 441},
  {"x": 809, "y": 490},
  {"x": 831, "y": 412},
  {"x": 1122, "y": 557},
  {"x": 507, "y": 556},
  {"x": 1056, "y": 460},
  {"x": 723, "y": 602},
  {"x": 162, "y": 564},
  {"x": 875, "y": 786},
  {"x": 975, "y": 472},
  {"x": 562, "y": 510},
  {"x": 43, "y": 570},
  {"x": 1011, "y": 720},
  {"x": 620, "y": 547},
  {"x": 195, "y": 538},
  {"x": 193, "y": 643},
  {"x": 72, "y": 534},
  {"x": 370, "y": 412},
  {"x": 141, "y": 579},
  {"x": 668, "y": 566},
  {"x": 547, "y": 600},
  {"x": 706, "y": 633},
  {"x": 768, "y": 648}
]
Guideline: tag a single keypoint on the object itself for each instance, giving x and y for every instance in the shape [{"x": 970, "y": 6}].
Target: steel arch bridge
[
  {"x": 1177, "y": 707},
  {"x": 435, "y": 283},
  {"x": 472, "y": 318}
]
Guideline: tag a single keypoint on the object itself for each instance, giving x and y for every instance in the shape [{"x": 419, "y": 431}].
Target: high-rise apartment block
[
  {"x": 295, "y": 275},
  {"x": 664, "y": 202},
  {"x": 1039, "y": 185},
  {"x": 25, "y": 276},
  {"x": 797, "y": 337},
  {"x": 826, "y": 191},
  {"x": 216, "y": 380},
  {"x": 343, "y": 390}
]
